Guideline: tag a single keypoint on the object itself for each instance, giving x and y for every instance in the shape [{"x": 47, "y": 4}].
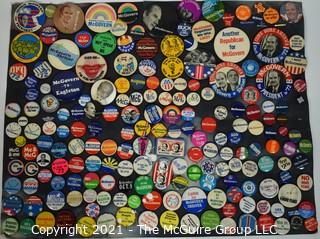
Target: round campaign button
[
  {"x": 63, "y": 54},
  {"x": 49, "y": 35},
  {"x": 100, "y": 17},
  {"x": 128, "y": 12},
  {"x": 15, "y": 167},
  {"x": 212, "y": 10},
  {"x": 263, "y": 207},
  {"x": 243, "y": 12},
  {"x": 26, "y": 47},
  {"x": 146, "y": 48},
  {"x": 289, "y": 195},
  {"x": 119, "y": 28},
  {"x": 217, "y": 198},
  {"x": 199, "y": 64},
  {"x": 125, "y": 64},
  {"x": 147, "y": 67},
  {"x": 194, "y": 200},
  {"x": 169, "y": 220},
  {"x": 68, "y": 18},
  {"x": 227, "y": 72},
  {"x": 172, "y": 67},
  {"x": 271, "y": 15},
  {"x": 210, "y": 219},
  {"x": 190, "y": 223},
  {"x": 10, "y": 226},
  {"x": 250, "y": 67},
  {"x": 269, "y": 188},
  {"x": 250, "y": 95},
  {"x": 29, "y": 16},
  {"x": 12, "y": 185},
  {"x": 296, "y": 42},
  {"x": 91, "y": 67},
  {"x": 189, "y": 11},
  {"x": 89, "y": 223},
  {"x": 152, "y": 201},
  {"x": 83, "y": 39},
  {"x": 26, "y": 225},
  {"x": 13, "y": 110},
  {"x": 207, "y": 94},
  {"x": 172, "y": 46},
  {"x": 18, "y": 72},
  {"x": 232, "y": 45},
  {"x": 103, "y": 91},
  {"x": 172, "y": 200},
  {"x": 55, "y": 200},
  {"x": 184, "y": 29},
  {"x": 271, "y": 45},
  {"x": 203, "y": 31},
  {"x": 42, "y": 70},
  {"x": 104, "y": 43}
]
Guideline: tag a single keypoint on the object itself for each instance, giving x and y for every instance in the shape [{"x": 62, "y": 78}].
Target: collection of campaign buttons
[{"x": 139, "y": 117}]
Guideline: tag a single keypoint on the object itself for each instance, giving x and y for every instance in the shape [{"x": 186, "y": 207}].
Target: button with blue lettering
[{"x": 12, "y": 185}]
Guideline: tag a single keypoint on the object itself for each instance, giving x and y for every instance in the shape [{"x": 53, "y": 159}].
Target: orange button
[
  {"x": 272, "y": 146},
  {"x": 243, "y": 12}
]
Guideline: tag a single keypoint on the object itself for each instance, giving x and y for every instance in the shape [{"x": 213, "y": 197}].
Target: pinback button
[
  {"x": 57, "y": 183},
  {"x": 179, "y": 99},
  {"x": 12, "y": 185},
  {"x": 26, "y": 225},
  {"x": 207, "y": 93},
  {"x": 203, "y": 31},
  {"x": 35, "y": 18},
  {"x": 10, "y": 226},
  {"x": 146, "y": 48},
  {"x": 221, "y": 138},
  {"x": 222, "y": 169},
  {"x": 235, "y": 165},
  {"x": 30, "y": 186},
  {"x": 289, "y": 148},
  {"x": 184, "y": 29},
  {"x": 125, "y": 43},
  {"x": 174, "y": 131},
  {"x": 120, "y": 199},
  {"x": 208, "y": 182},
  {"x": 119, "y": 28},
  {"x": 210, "y": 150},
  {"x": 296, "y": 222},
  {"x": 18, "y": 72},
  {"x": 210, "y": 219},
  {"x": 194, "y": 200},
  {"x": 86, "y": 222},
  {"x": 169, "y": 51},
  {"x": 208, "y": 124},
  {"x": 172, "y": 200},
  {"x": 150, "y": 96},
  {"x": 93, "y": 21},
  {"x": 74, "y": 198},
  {"x": 165, "y": 98}
]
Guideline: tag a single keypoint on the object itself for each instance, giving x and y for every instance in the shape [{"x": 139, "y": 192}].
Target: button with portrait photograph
[
  {"x": 199, "y": 64},
  {"x": 291, "y": 12},
  {"x": 228, "y": 80},
  {"x": 274, "y": 81},
  {"x": 271, "y": 45},
  {"x": 103, "y": 91},
  {"x": 68, "y": 18}
]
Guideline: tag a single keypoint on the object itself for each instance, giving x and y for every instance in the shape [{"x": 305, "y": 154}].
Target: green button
[
  {"x": 10, "y": 226},
  {"x": 49, "y": 11},
  {"x": 194, "y": 172},
  {"x": 210, "y": 219},
  {"x": 305, "y": 146},
  {"x": 134, "y": 201},
  {"x": 104, "y": 43},
  {"x": 26, "y": 226},
  {"x": 143, "y": 185}
]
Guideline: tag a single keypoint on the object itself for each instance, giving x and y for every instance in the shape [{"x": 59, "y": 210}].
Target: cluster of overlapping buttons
[{"x": 113, "y": 118}]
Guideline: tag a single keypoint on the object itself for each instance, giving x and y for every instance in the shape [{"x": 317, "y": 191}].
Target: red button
[
  {"x": 265, "y": 222},
  {"x": 269, "y": 119},
  {"x": 152, "y": 201},
  {"x": 193, "y": 85},
  {"x": 209, "y": 124},
  {"x": 229, "y": 210},
  {"x": 195, "y": 154},
  {"x": 311, "y": 224},
  {"x": 78, "y": 129},
  {"x": 283, "y": 131},
  {"x": 65, "y": 219},
  {"x": 60, "y": 166},
  {"x": 30, "y": 152},
  {"x": 92, "y": 146},
  {"x": 253, "y": 112},
  {"x": 250, "y": 95},
  {"x": 76, "y": 165}
]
